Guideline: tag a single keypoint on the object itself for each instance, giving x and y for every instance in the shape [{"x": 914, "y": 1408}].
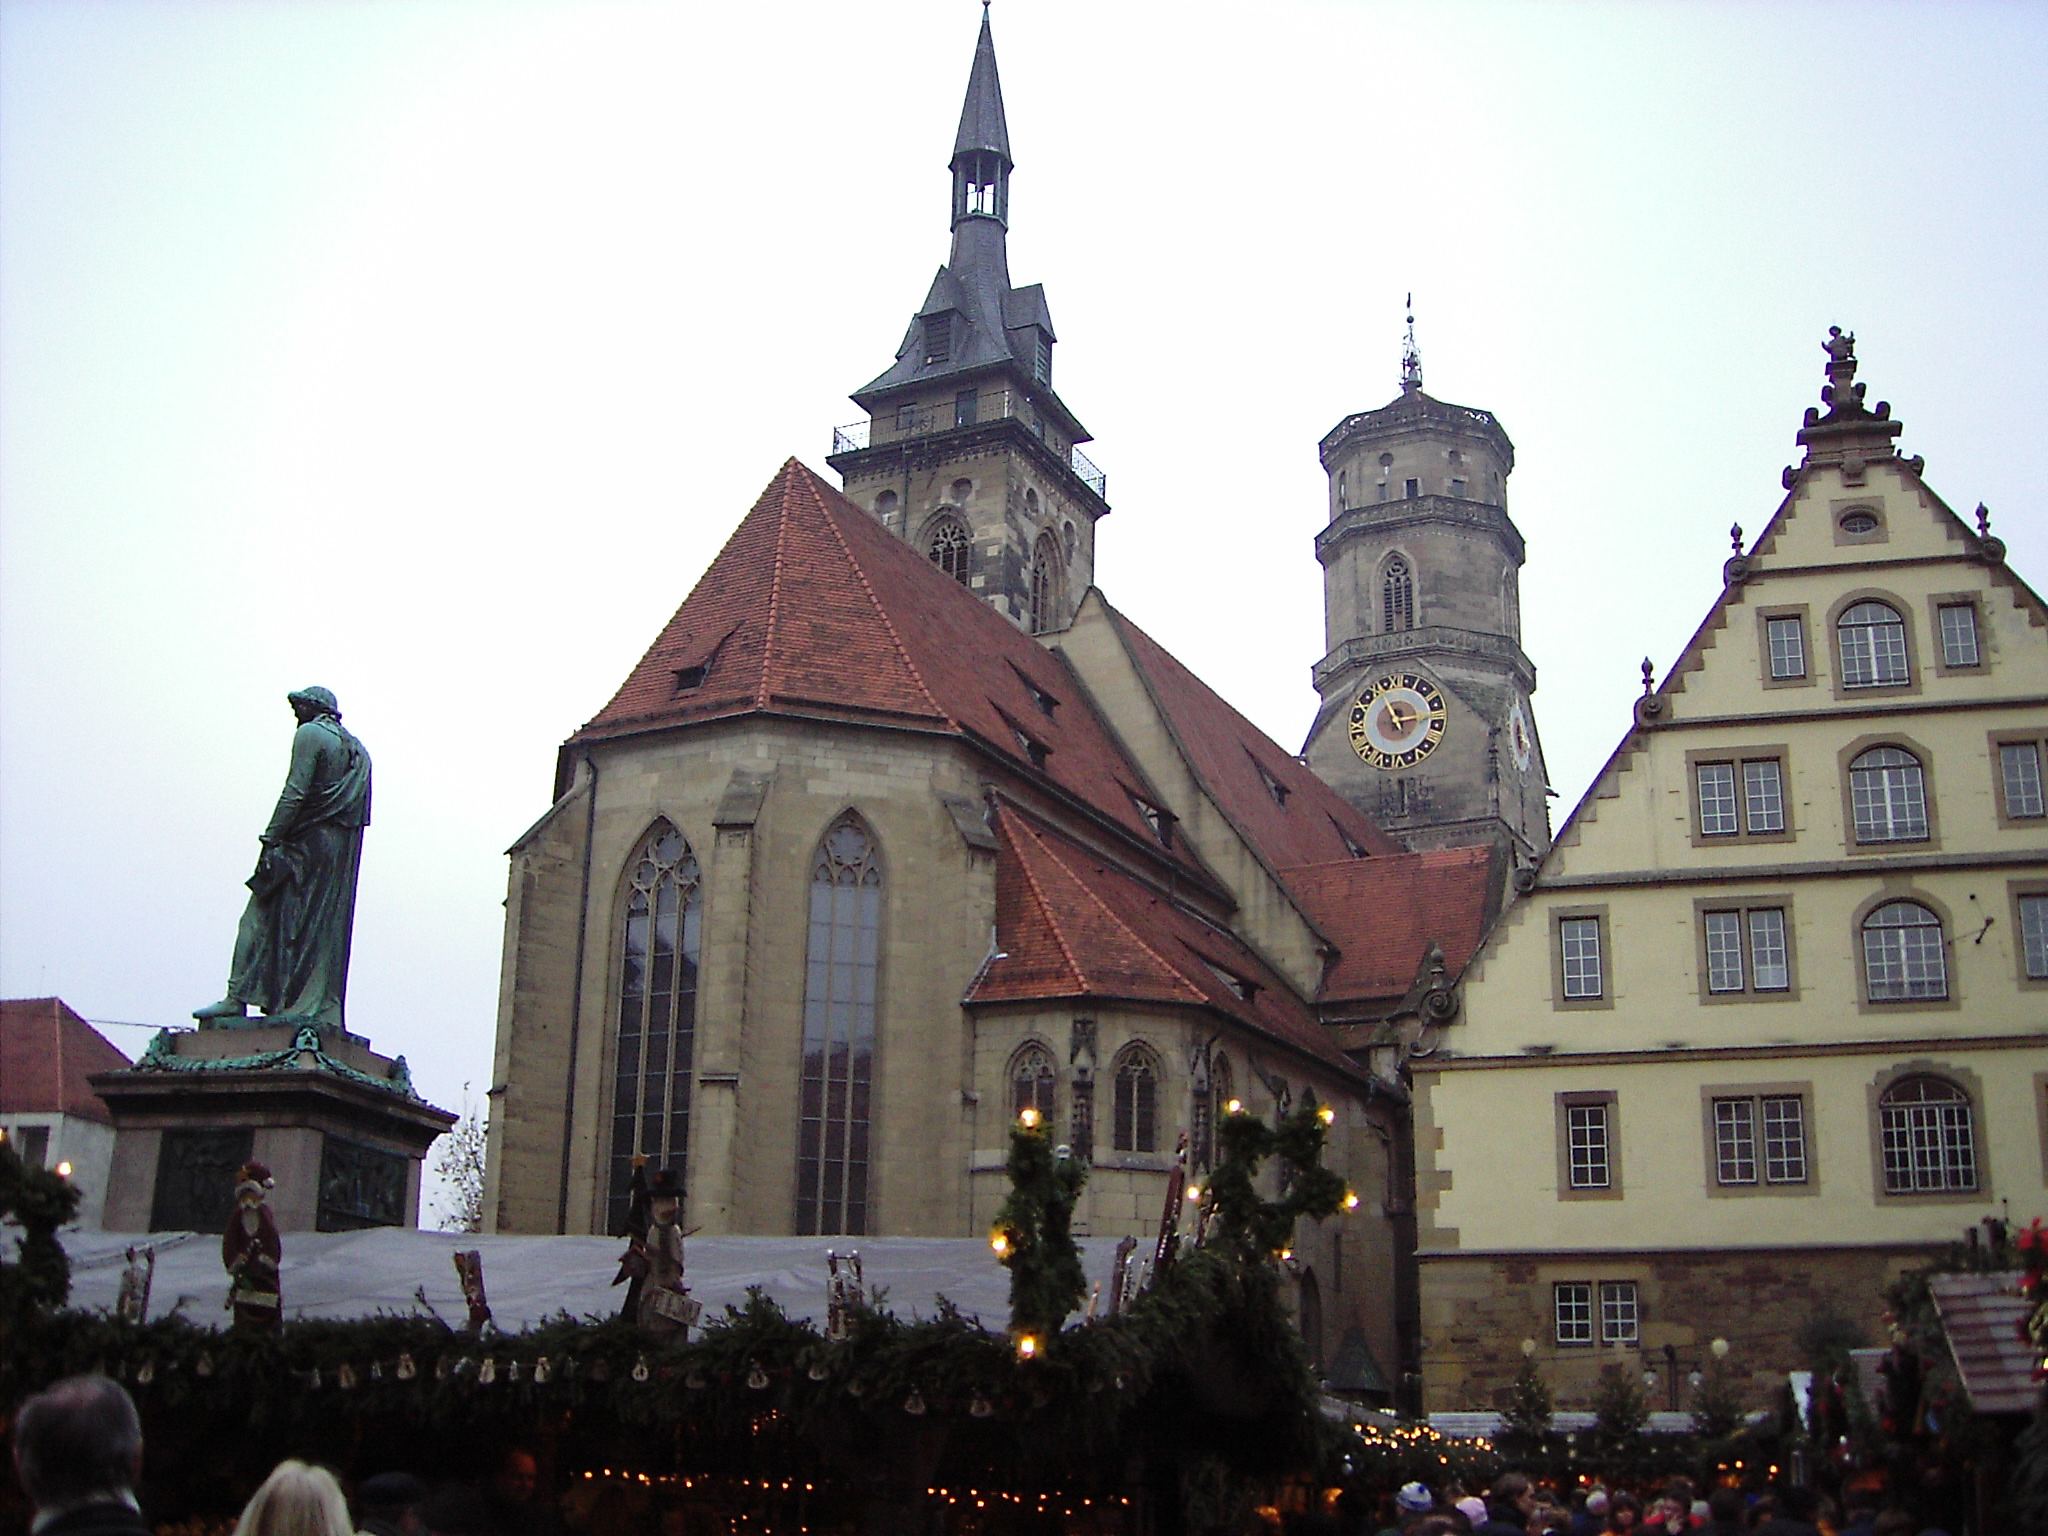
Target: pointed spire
[
  {"x": 1411, "y": 356},
  {"x": 982, "y": 126}
]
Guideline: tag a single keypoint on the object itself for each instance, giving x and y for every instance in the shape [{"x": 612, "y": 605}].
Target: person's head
[
  {"x": 1473, "y": 1508},
  {"x": 1596, "y": 1502},
  {"x": 1513, "y": 1488},
  {"x": 79, "y": 1440},
  {"x": 518, "y": 1475},
  {"x": 312, "y": 703},
  {"x": 1414, "y": 1500},
  {"x": 296, "y": 1500},
  {"x": 253, "y": 1184},
  {"x": 1724, "y": 1506},
  {"x": 1624, "y": 1511},
  {"x": 394, "y": 1499}
]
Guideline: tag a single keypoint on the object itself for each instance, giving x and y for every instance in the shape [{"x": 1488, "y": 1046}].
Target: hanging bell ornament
[
  {"x": 757, "y": 1378},
  {"x": 345, "y": 1378},
  {"x": 204, "y": 1367},
  {"x": 488, "y": 1371},
  {"x": 406, "y": 1369},
  {"x": 980, "y": 1408},
  {"x": 147, "y": 1374},
  {"x": 817, "y": 1371},
  {"x": 914, "y": 1404},
  {"x": 543, "y": 1371},
  {"x": 512, "y": 1371},
  {"x": 640, "y": 1369}
]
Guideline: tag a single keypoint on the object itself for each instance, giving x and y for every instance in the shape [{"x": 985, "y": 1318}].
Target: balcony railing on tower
[{"x": 966, "y": 409}]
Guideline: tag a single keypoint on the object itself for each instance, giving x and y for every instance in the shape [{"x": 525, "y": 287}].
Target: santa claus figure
[{"x": 252, "y": 1252}]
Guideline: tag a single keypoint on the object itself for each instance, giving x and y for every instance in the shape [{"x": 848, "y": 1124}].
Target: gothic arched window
[
  {"x": 1212, "y": 1098},
  {"x": 948, "y": 548},
  {"x": 1031, "y": 1082},
  {"x": 1045, "y": 584},
  {"x": 657, "y": 1014},
  {"x": 1904, "y": 955},
  {"x": 1928, "y": 1138},
  {"x": 839, "y": 1032},
  {"x": 1397, "y": 597},
  {"x": 1135, "y": 1123}
]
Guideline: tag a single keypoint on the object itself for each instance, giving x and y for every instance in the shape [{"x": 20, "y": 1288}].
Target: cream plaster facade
[{"x": 1752, "y": 1260}]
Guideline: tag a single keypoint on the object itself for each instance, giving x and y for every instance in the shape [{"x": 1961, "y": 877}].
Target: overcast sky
[{"x": 430, "y": 351}]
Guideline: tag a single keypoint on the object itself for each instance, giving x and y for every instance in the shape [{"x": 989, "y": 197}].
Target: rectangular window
[
  {"x": 1573, "y": 1301},
  {"x": 907, "y": 418},
  {"x": 2019, "y": 770},
  {"x": 1586, "y": 1125},
  {"x": 1787, "y": 639},
  {"x": 1412, "y": 489},
  {"x": 964, "y": 411},
  {"x": 1717, "y": 800},
  {"x": 1458, "y": 489},
  {"x": 1784, "y": 1139},
  {"x": 32, "y": 1144},
  {"x": 1735, "y": 1141},
  {"x": 1770, "y": 961},
  {"x": 1959, "y": 635},
  {"x": 1724, "y": 952},
  {"x": 1620, "y": 1318},
  {"x": 1763, "y": 795},
  {"x": 2034, "y": 936},
  {"x": 1579, "y": 940},
  {"x": 1382, "y": 491}
]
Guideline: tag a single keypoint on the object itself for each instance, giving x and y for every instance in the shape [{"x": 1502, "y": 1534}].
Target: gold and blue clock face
[{"x": 1398, "y": 720}]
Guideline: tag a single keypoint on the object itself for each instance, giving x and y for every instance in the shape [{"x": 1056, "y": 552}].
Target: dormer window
[
  {"x": 1240, "y": 988},
  {"x": 1351, "y": 844},
  {"x": 1274, "y": 787},
  {"x": 1033, "y": 749},
  {"x": 1155, "y": 817},
  {"x": 1041, "y": 357},
  {"x": 688, "y": 678},
  {"x": 938, "y": 338},
  {"x": 1046, "y": 702}
]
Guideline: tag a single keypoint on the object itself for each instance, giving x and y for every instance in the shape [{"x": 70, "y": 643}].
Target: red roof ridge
[
  {"x": 1474, "y": 853},
  {"x": 867, "y": 587},
  {"x": 1045, "y": 911},
  {"x": 789, "y": 467},
  {"x": 1109, "y": 912}
]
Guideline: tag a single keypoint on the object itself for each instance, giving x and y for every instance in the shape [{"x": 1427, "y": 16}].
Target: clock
[
  {"x": 1397, "y": 720},
  {"x": 1521, "y": 736}
]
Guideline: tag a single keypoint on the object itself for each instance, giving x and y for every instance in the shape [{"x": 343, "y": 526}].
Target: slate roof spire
[{"x": 981, "y": 116}]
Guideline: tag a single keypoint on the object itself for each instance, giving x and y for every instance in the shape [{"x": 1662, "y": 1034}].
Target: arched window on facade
[
  {"x": 839, "y": 1032},
  {"x": 1135, "y": 1124},
  {"x": 1045, "y": 584},
  {"x": 1871, "y": 639},
  {"x": 948, "y": 547},
  {"x": 657, "y": 1019},
  {"x": 1905, "y": 958},
  {"x": 1397, "y": 597},
  {"x": 1888, "y": 796},
  {"x": 1031, "y": 1082},
  {"x": 1311, "y": 1317},
  {"x": 1928, "y": 1137}
]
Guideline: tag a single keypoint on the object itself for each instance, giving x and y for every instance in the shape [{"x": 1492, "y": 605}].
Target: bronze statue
[{"x": 291, "y": 951}]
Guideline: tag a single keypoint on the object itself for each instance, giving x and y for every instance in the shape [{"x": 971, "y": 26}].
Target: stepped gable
[
  {"x": 48, "y": 1055},
  {"x": 1307, "y": 822},
  {"x": 1383, "y": 914},
  {"x": 1071, "y": 926},
  {"x": 813, "y": 609}
]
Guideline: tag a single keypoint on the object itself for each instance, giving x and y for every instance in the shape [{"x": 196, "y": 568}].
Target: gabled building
[
  {"x": 1768, "y": 1025},
  {"x": 48, "y": 1109}
]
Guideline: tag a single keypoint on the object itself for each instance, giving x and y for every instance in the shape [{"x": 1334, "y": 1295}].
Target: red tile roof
[
  {"x": 813, "y": 608},
  {"x": 1072, "y": 926},
  {"x": 1384, "y": 913},
  {"x": 1307, "y": 822},
  {"x": 47, "y": 1055}
]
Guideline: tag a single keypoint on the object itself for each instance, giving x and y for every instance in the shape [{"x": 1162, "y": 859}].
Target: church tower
[
  {"x": 1425, "y": 722},
  {"x": 967, "y": 453}
]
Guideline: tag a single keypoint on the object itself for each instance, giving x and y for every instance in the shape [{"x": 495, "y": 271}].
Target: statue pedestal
[{"x": 339, "y": 1127}]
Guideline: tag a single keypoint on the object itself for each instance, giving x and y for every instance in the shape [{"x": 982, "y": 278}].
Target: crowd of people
[
  {"x": 78, "y": 1455},
  {"x": 1516, "y": 1506}
]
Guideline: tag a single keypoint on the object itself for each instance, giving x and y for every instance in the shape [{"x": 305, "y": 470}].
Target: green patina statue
[{"x": 291, "y": 952}]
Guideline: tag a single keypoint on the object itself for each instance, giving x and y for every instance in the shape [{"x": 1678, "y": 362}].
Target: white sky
[{"x": 430, "y": 351}]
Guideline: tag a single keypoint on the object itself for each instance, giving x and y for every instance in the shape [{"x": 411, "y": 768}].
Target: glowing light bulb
[
  {"x": 1350, "y": 1199},
  {"x": 1029, "y": 1119},
  {"x": 1027, "y": 1347},
  {"x": 1194, "y": 1191},
  {"x": 1720, "y": 1349},
  {"x": 1000, "y": 1242},
  {"x": 1326, "y": 1114},
  {"x": 64, "y": 1170},
  {"x": 1234, "y": 1107}
]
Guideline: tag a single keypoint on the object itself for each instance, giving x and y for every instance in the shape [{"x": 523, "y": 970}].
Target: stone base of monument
[{"x": 339, "y": 1126}]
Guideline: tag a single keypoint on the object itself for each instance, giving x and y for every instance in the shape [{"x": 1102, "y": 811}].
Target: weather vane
[{"x": 1411, "y": 356}]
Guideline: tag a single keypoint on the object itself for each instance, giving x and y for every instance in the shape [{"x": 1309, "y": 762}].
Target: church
[{"x": 900, "y": 828}]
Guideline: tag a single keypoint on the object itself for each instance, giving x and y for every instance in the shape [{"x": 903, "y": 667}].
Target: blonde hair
[{"x": 296, "y": 1500}]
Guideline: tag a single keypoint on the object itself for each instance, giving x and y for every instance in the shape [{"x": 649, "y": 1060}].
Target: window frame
[
  {"x": 1844, "y": 690},
  {"x": 1739, "y": 758},
  {"x": 1800, "y": 614},
  {"x": 1568, "y": 1101},
  {"x": 1841, "y": 507},
  {"x": 1135, "y": 1053},
  {"x": 1712, "y": 1094},
  {"x": 1559, "y": 916},
  {"x": 1928, "y": 794},
  {"x": 1616, "y": 1339},
  {"x": 1972, "y": 1088},
  {"x": 1591, "y": 1319},
  {"x": 1743, "y": 905},
  {"x": 1865, "y": 1003},
  {"x": 1973, "y": 601},
  {"x": 1996, "y": 743},
  {"x": 2017, "y": 892},
  {"x": 1029, "y": 1052},
  {"x": 1397, "y": 567}
]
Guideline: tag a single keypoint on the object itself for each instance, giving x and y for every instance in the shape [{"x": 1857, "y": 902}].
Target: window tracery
[{"x": 839, "y": 1032}]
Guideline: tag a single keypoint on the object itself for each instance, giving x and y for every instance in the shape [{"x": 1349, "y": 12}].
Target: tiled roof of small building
[
  {"x": 47, "y": 1056},
  {"x": 813, "y": 608},
  {"x": 1070, "y": 925},
  {"x": 1384, "y": 913},
  {"x": 1283, "y": 810}
]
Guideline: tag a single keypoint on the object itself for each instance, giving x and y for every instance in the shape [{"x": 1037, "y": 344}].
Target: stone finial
[
  {"x": 1841, "y": 350},
  {"x": 1649, "y": 675},
  {"x": 1983, "y": 520},
  {"x": 1735, "y": 537}
]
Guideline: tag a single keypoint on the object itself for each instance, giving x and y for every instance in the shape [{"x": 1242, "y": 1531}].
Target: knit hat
[
  {"x": 1473, "y": 1508},
  {"x": 1415, "y": 1499},
  {"x": 1596, "y": 1502}
]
